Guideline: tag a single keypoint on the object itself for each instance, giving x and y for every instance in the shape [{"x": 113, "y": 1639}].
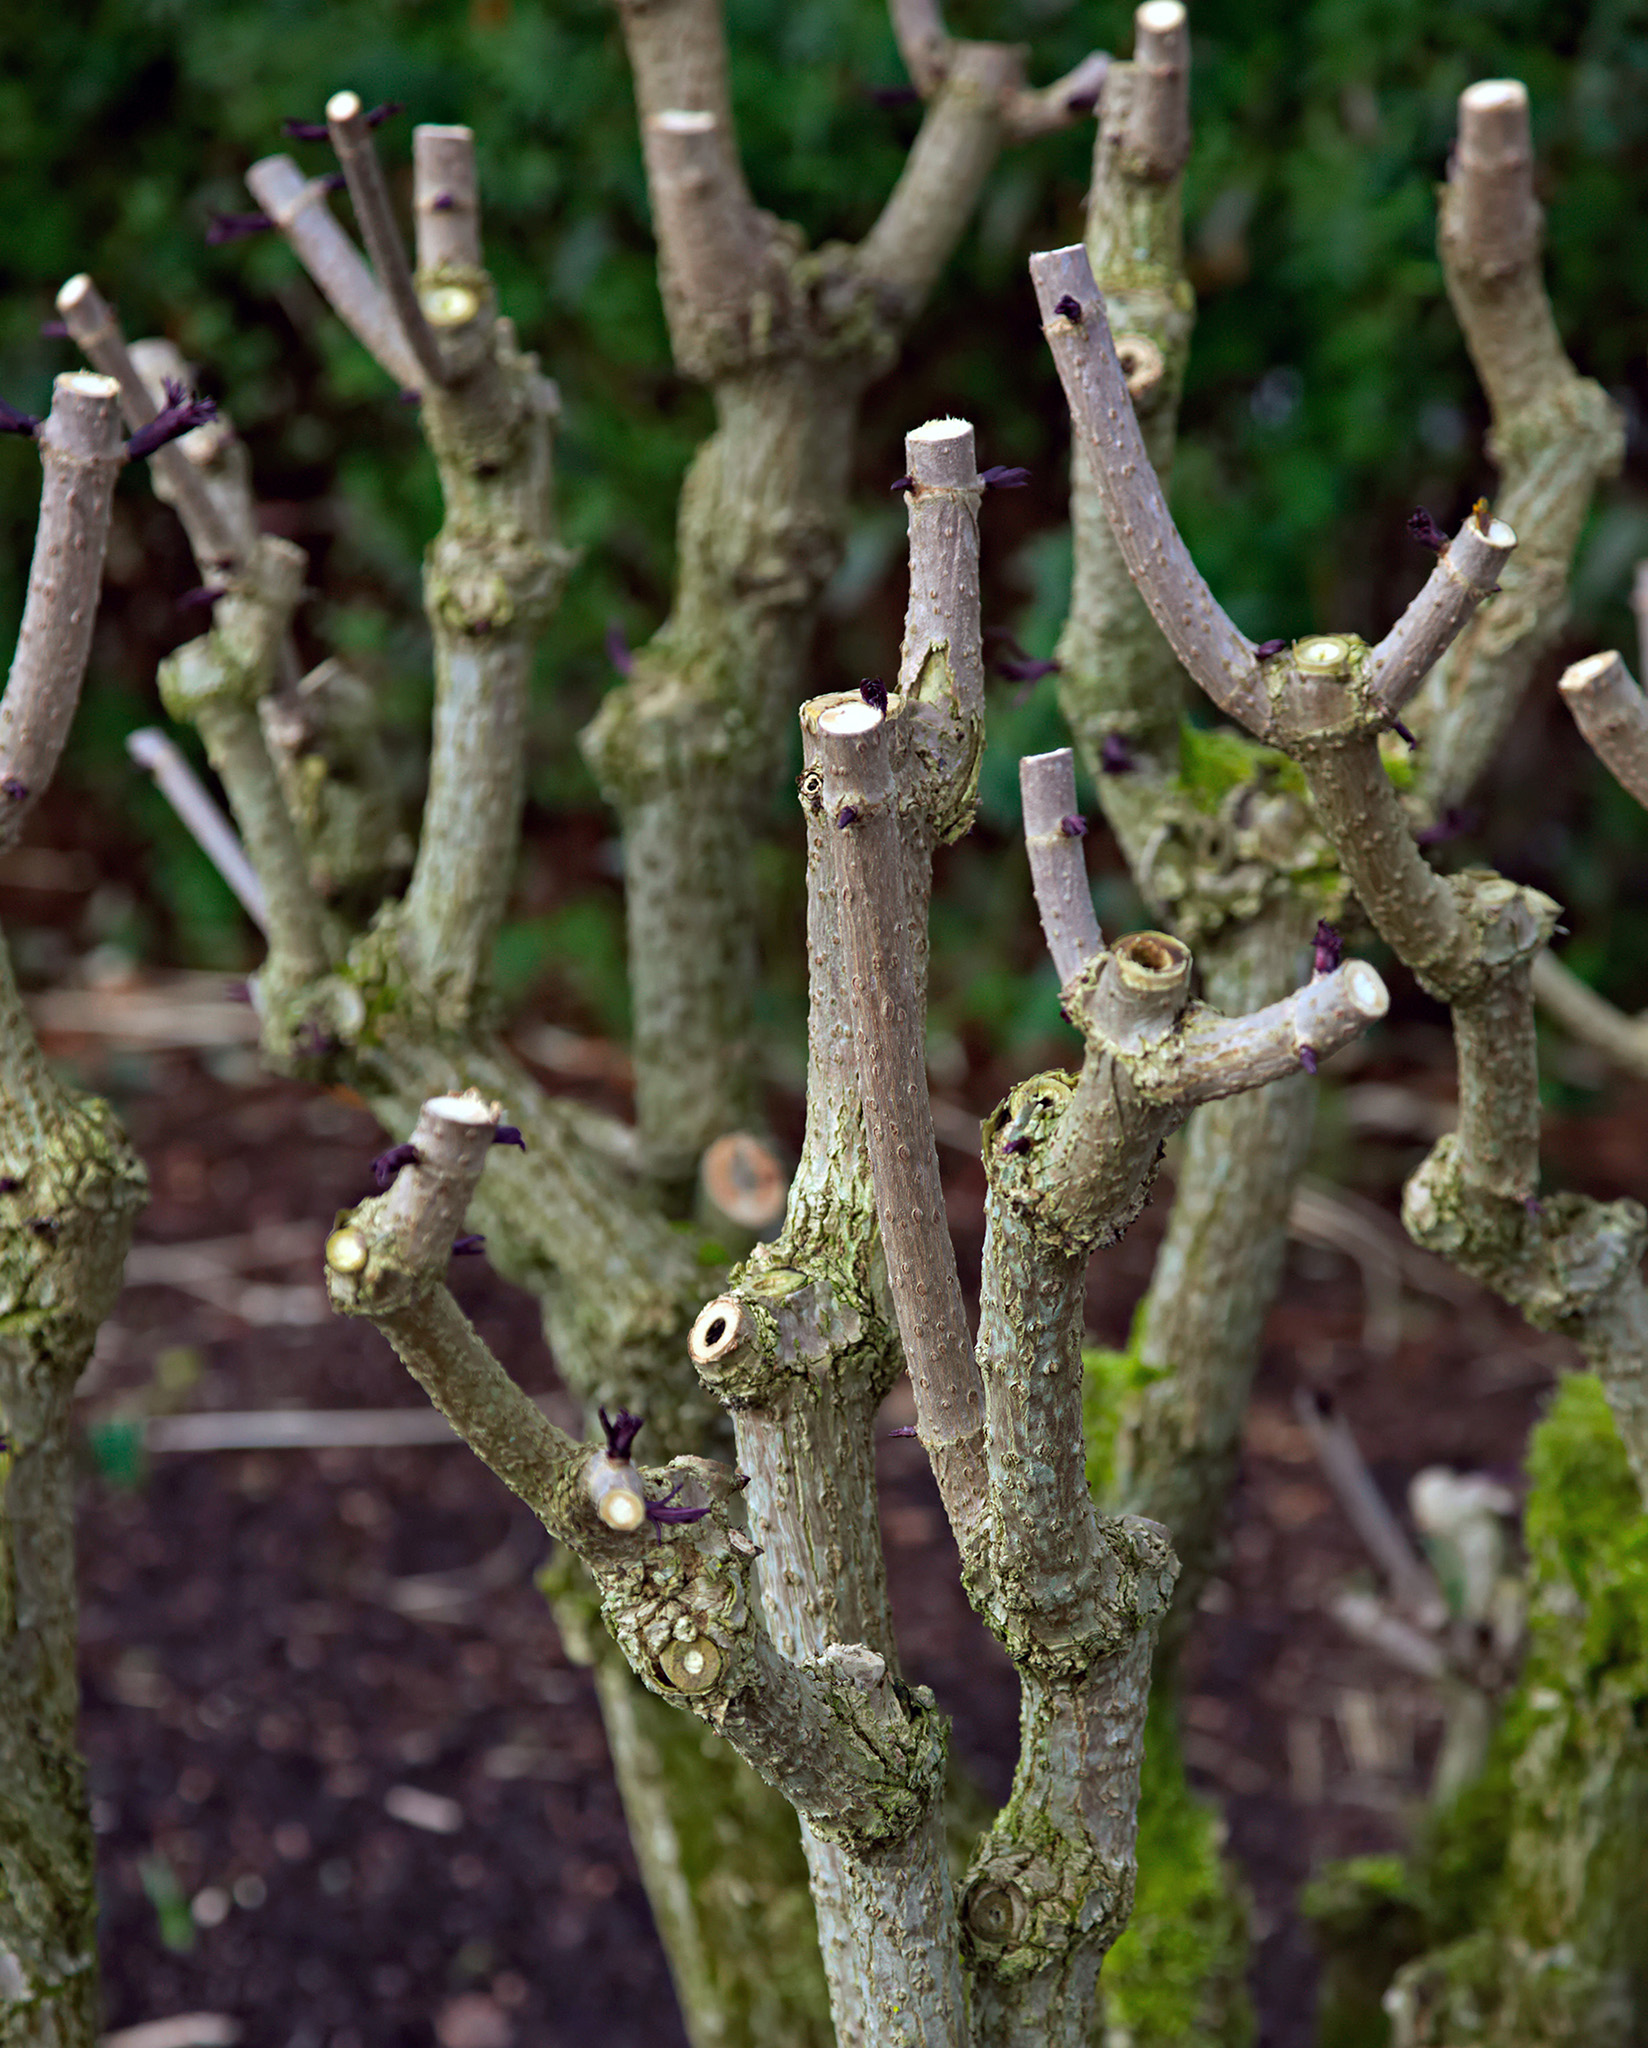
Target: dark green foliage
[{"x": 1328, "y": 391}]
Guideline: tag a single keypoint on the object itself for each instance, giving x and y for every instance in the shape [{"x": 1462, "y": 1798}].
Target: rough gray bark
[{"x": 70, "y": 1189}]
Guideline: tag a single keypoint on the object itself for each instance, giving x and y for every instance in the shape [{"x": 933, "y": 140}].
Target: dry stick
[
  {"x": 297, "y": 206},
  {"x": 210, "y": 829},
  {"x": 859, "y": 796},
  {"x": 1467, "y": 571},
  {"x": 1053, "y": 838},
  {"x": 375, "y": 215},
  {"x": 80, "y": 457},
  {"x": 1158, "y": 113},
  {"x": 1611, "y": 712},
  {"x": 923, "y": 42},
  {"x": 1383, "y": 1537}
]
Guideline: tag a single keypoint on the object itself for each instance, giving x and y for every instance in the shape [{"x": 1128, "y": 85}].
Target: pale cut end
[
  {"x": 1153, "y": 961},
  {"x": 941, "y": 454},
  {"x": 438, "y": 132},
  {"x": 1594, "y": 672},
  {"x": 75, "y": 293},
  {"x": 462, "y": 1109},
  {"x": 682, "y": 121},
  {"x": 744, "y": 1179},
  {"x": 346, "y": 1251},
  {"x": 722, "y": 1325},
  {"x": 1159, "y": 17},
  {"x": 1364, "y": 985},
  {"x": 622, "y": 1510},
  {"x": 343, "y": 106},
  {"x": 1499, "y": 535},
  {"x": 850, "y": 718},
  {"x": 449, "y": 306},
  {"x": 86, "y": 384},
  {"x": 1493, "y": 114}
]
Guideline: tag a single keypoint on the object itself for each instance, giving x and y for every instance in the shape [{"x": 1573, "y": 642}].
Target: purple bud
[
  {"x": 234, "y": 227},
  {"x": 179, "y": 415},
  {"x": 1425, "y": 530},
  {"x": 9, "y": 1184},
  {"x": 1330, "y": 948},
  {"x": 907, "y": 1429},
  {"x": 1307, "y": 1058},
  {"x": 1451, "y": 823},
  {"x": 661, "y": 1511},
  {"x": 1002, "y": 478},
  {"x": 388, "y": 1164},
  {"x": 1267, "y": 648},
  {"x": 408, "y": 397},
  {"x": 1026, "y": 670},
  {"x": 1115, "y": 755},
  {"x": 1068, "y": 308},
  {"x": 54, "y": 330},
  {"x": 206, "y": 594},
  {"x": 617, "y": 645},
  {"x": 621, "y": 1431},
  {"x": 468, "y": 1247},
  {"x": 14, "y": 787},
  {"x": 1533, "y": 1205},
  {"x": 902, "y": 483},
  {"x": 376, "y": 116},
  {"x": 845, "y": 816},
  {"x": 306, "y": 131},
  {"x": 1015, "y": 1145},
  {"x": 1073, "y": 827},
  {"x": 1083, "y": 102},
  {"x": 1402, "y": 732},
  {"x": 14, "y": 422},
  {"x": 443, "y": 202},
  {"x": 507, "y": 1134},
  {"x": 891, "y": 95},
  {"x": 874, "y": 692}
]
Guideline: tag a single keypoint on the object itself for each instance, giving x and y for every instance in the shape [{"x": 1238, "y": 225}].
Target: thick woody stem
[
  {"x": 1158, "y": 113},
  {"x": 210, "y": 829},
  {"x": 1053, "y": 838},
  {"x": 1612, "y": 714},
  {"x": 862, "y": 1764},
  {"x": 91, "y": 322},
  {"x": 214, "y": 684},
  {"x": 80, "y": 457},
  {"x": 375, "y": 216},
  {"x": 1555, "y": 434},
  {"x": 1220, "y": 658},
  {"x": 297, "y": 206},
  {"x": 951, "y": 157},
  {"x": 1498, "y": 1053},
  {"x": 445, "y": 199},
  {"x": 888, "y": 1024},
  {"x": 1412, "y": 906},
  {"x": 941, "y": 620}
]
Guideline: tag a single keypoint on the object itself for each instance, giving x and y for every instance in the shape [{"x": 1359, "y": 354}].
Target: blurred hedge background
[{"x": 1329, "y": 391}]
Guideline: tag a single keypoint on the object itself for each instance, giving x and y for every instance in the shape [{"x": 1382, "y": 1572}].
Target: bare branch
[
  {"x": 210, "y": 829},
  {"x": 1619, "y": 1037},
  {"x": 923, "y": 42},
  {"x": 80, "y": 457},
  {"x": 375, "y": 215},
  {"x": 1611, "y": 712},
  {"x": 1046, "y": 109},
  {"x": 1467, "y": 571},
  {"x": 1220, "y": 658},
  {"x": 445, "y": 199},
  {"x": 1492, "y": 177},
  {"x": 888, "y": 1020},
  {"x": 297, "y": 206},
  {"x": 941, "y": 620},
  {"x": 1218, "y": 1056},
  {"x": 91, "y": 322},
  {"x": 1053, "y": 838}
]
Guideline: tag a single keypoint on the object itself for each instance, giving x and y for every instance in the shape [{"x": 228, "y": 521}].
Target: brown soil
[{"x": 256, "y": 1690}]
